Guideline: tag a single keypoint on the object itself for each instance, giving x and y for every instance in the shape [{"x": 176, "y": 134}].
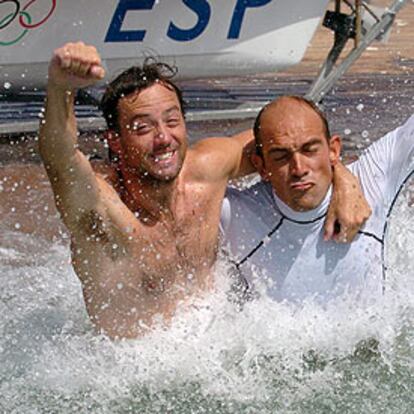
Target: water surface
[{"x": 270, "y": 358}]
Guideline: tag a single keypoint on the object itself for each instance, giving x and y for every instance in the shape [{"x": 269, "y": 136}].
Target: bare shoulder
[
  {"x": 209, "y": 158},
  {"x": 219, "y": 158}
]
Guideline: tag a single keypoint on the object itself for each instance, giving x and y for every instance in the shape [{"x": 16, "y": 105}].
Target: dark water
[
  {"x": 270, "y": 358},
  {"x": 361, "y": 108}
]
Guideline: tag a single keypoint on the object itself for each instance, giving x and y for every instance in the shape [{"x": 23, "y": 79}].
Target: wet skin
[
  {"x": 154, "y": 136},
  {"x": 144, "y": 235},
  {"x": 298, "y": 157},
  {"x": 138, "y": 258}
]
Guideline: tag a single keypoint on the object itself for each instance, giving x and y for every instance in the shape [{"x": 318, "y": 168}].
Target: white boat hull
[{"x": 201, "y": 37}]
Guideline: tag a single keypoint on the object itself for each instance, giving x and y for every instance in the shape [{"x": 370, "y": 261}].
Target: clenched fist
[{"x": 75, "y": 65}]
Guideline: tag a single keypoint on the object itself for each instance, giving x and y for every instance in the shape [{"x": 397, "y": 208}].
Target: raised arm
[{"x": 74, "y": 183}]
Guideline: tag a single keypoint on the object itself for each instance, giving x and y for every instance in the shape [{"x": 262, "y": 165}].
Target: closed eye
[
  {"x": 311, "y": 147},
  {"x": 279, "y": 155}
]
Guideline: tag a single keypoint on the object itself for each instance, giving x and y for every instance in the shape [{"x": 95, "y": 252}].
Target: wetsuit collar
[{"x": 303, "y": 216}]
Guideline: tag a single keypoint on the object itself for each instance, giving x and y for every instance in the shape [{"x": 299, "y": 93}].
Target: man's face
[
  {"x": 153, "y": 136},
  {"x": 297, "y": 157}
]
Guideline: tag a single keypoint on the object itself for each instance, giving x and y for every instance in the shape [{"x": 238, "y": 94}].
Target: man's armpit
[
  {"x": 93, "y": 225},
  {"x": 93, "y": 228}
]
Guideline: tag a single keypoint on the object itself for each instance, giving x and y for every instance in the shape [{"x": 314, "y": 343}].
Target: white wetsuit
[{"x": 272, "y": 244}]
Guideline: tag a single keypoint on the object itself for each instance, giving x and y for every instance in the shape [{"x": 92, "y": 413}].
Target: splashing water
[{"x": 268, "y": 358}]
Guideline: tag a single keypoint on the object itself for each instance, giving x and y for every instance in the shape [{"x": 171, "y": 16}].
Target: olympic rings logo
[{"x": 24, "y": 18}]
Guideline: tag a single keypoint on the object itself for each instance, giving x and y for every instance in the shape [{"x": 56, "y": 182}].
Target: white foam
[{"x": 269, "y": 355}]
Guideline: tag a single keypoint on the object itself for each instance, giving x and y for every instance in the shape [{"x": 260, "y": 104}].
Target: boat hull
[{"x": 203, "y": 38}]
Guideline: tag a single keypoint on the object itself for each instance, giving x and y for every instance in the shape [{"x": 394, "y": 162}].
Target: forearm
[
  {"x": 348, "y": 209},
  {"x": 72, "y": 67},
  {"x": 74, "y": 183},
  {"x": 345, "y": 183},
  {"x": 340, "y": 174},
  {"x": 247, "y": 148},
  {"x": 58, "y": 130},
  {"x": 71, "y": 176}
]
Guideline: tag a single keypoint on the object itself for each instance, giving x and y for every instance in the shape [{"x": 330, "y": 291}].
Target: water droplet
[{"x": 266, "y": 241}]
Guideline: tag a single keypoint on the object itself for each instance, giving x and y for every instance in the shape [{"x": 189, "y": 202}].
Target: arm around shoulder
[
  {"x": 348, "y": 209},
  {"x": 225, "y": 157}
]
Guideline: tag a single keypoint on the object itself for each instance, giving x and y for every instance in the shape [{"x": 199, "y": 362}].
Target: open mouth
[{"x": 164, "y": 157}]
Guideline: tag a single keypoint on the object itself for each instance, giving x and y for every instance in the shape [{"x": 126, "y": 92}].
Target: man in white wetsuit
[{"x": 274, "y": 229}]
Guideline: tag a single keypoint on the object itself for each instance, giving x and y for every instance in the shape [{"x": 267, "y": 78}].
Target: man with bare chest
[{"x": 144, "y": 234}]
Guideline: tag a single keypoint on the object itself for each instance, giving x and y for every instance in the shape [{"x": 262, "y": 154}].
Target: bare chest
[
  {"x": 184, "y": 242},
  {"x": 171, "y": 249}
]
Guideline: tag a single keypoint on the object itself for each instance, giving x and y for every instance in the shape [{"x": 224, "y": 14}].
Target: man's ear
[
  {"x": 258, "y": 163},
  {"x": 335, "y": 146},
  {"x": 114, "y": 141}
]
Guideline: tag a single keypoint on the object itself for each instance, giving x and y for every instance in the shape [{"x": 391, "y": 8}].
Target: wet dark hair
[
  {"x": 299, "y": 99},
  {"x": 136, "y": 79}
]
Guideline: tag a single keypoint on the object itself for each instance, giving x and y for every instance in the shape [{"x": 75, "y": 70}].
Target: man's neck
[
  {"x": 147, "y": 196},
  {"x": 303, "y": 216}
]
